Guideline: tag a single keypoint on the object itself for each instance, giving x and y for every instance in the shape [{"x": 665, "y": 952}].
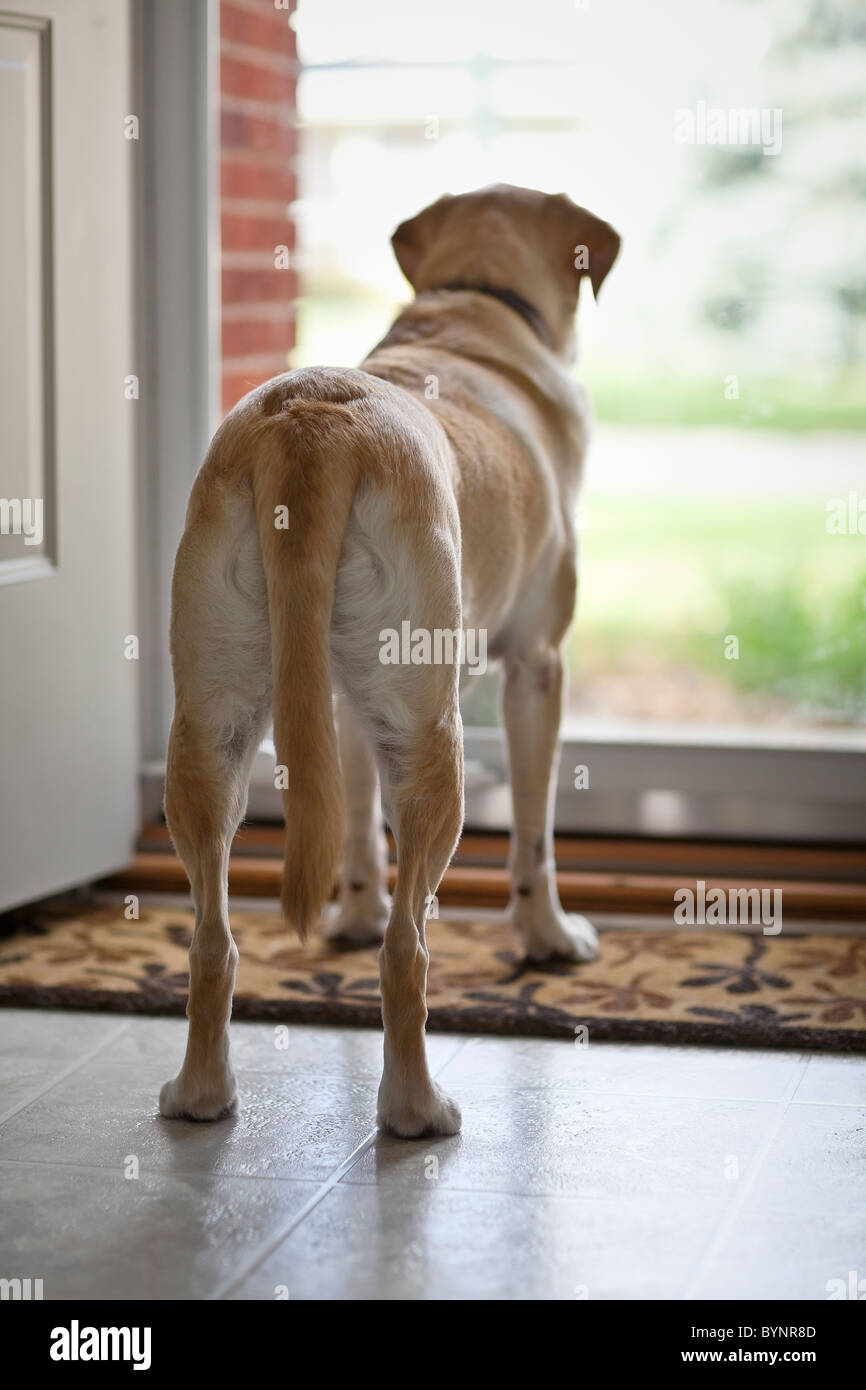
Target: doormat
[{"x": 724, "y": 988}]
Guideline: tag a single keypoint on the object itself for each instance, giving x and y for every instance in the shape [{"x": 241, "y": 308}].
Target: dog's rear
[{"x": 314, "y": 463}]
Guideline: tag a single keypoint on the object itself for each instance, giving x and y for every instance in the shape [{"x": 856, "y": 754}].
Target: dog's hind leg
[
  {"x": 221, "y": 657},
  {"x": 423, "y": 790},
  {"x": 394, "y": 570},
  {"x": 364, "y": 905},
  {"x": 532, "y": 708}
]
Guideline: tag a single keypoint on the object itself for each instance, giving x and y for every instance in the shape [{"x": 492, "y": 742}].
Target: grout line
[
  {"x": 206, "y": 1175},
  {"x": 589, "y": 1093},
  {"x": 285, "y": 1231},
  {"x": 640, "y": 1204},
  {"x": 834, "y": 1104},
  {"x": 800, "y": 1083},
  {"x": 656, "y": 1204},
  {"x": 67, "y": 1071},
  {"x": 735, "y": 1206},
  {"x": 459, "y": 1045}
]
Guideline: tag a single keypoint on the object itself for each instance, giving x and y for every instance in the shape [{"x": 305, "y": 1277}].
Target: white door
[{"x": 68, "y": 692}]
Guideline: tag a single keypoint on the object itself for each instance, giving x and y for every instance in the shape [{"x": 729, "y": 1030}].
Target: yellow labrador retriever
[{"x": 431, "y": 492}]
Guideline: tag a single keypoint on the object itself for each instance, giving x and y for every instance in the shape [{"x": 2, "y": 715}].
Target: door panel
[
  {"x": 68, "y": 693},
  {"x": 25, "y": 343}
]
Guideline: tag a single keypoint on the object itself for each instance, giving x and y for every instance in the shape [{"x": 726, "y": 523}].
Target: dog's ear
[
  {"x": 593, "y": 244},
  {"x": 413, "y": 237}
]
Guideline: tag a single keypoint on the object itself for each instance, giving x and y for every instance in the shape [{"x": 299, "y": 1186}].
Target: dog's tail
[{"x": 304, "y": 475}]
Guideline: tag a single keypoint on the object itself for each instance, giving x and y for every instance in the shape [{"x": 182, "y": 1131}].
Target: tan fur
[{"x": 447, "y": 509}]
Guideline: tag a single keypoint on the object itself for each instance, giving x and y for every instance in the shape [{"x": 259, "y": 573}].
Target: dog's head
[{"x": 535, "y": 245}]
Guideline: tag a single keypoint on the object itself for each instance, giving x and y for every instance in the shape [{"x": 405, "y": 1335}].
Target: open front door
[{"x": 68, "y": 687}]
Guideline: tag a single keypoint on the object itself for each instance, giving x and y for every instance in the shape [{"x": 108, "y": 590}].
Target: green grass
[
  {"x": 802, "y": 649},
  {"x": 633, "y": 396},
  {"x": 667, "y": 581},
  {"x": 667, "y": 561}
]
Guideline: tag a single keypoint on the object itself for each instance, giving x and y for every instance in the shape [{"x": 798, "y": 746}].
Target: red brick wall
[{"x": 258, "y": 70}]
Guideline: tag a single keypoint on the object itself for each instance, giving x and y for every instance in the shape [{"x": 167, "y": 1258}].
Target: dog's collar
[{"x": 515, "y": 301}]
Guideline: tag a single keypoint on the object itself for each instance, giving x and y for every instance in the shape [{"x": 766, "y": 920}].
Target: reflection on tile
[
  {"x": 55, "y": 1032},
  {"x": 370, "y": 1243},
  {"x": 614, "y": 1147},
  {"x": 635, "y": 1068},
  {"x": 833, "y": 1080},
  {"x": 789, "y": 1255},
  {"x": 817, "y": 1163},
  {"x": 287, "y": 1126},
  {"x": 97, "y": 1234}
]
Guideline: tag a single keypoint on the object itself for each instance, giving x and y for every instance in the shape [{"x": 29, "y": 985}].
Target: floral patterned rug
[{"x": 723, "y": 987}]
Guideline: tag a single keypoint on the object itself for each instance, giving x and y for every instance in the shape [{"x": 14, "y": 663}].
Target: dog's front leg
[
  {"x": 533, "y": 706},
  {"x": 364, "y": 906}
]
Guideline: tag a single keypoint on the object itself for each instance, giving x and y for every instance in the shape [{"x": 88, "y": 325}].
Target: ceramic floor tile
[
  {"x": 833, "y": 1080},
  {"x": 606, "y": 1146},
  {"x": 36, "y": 1049},
  {"x": 55, "y": 1032},
  {"x": 287, "y": 1126},
  {"x": 97, "y": 1234},
  {"x": 635, "y": 1068},
  {"x": 23, "y": 1078},
  {"x": 817, "y": 1163},
  {"x": 430, "y": 1243},
  {"x": 789, "y": 1255}
]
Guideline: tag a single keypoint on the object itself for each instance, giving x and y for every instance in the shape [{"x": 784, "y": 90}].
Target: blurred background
[
  {"x": 726, "y": 360},
  {"x": 200, "y": 195}
]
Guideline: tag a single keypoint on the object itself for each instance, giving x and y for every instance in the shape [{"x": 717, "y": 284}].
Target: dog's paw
[
  {"x": 559, "y": 936},
  {"x": 361, "y": 920},
  {"x": 429, "y": 1114},
  {"x": 188, "y": 1100}
]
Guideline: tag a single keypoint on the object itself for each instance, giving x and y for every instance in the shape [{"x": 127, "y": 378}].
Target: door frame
[{"x": 175, "y": 63}]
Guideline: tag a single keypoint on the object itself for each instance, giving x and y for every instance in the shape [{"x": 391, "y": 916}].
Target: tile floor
[{"x": 611, "y": 1171}]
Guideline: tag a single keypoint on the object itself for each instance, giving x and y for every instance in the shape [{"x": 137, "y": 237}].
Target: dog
[{"x": 436, "y": 485}]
